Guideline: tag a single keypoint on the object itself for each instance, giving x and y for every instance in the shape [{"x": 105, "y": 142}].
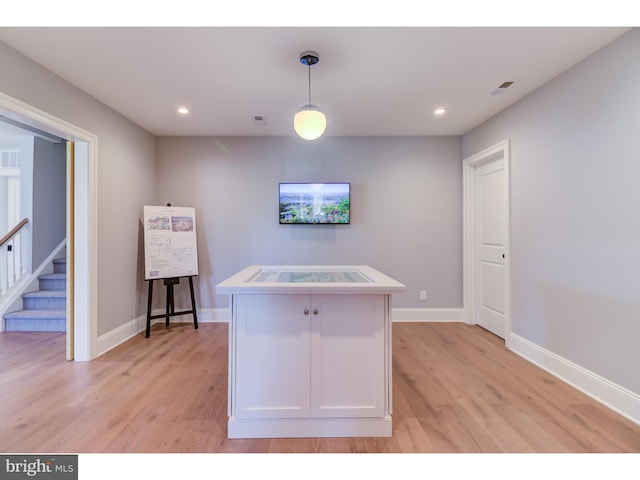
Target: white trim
[
  {"x": 85, "y": 221},
  {"x": 309, "y": 427},
  {"x": 500, "y": 150},
  {"x": 613, "y": 396},
  {"x": 427, "y": 314},
  {"x": 115, "y": 337},
  {"x": 205, "y": 315},
  {"x": 221, "y": 315},
  {"x": 119, "y": 335},
  {"x": 85, "y": 262}
]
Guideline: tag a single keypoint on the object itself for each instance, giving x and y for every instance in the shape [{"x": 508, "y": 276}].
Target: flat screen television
[{"x": 315, "y": 203}]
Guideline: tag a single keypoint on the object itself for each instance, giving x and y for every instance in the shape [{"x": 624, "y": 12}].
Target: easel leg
[
  {"x": 168, "y": 303},
  {"x": 170, "y": 309},
  {"x": 193, "y": 304},
  {"x": 149, "y": 309}
]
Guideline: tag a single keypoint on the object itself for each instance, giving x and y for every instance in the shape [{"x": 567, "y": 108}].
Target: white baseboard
[
  {"x": 615, "y": 397},
  {"x": 426, "y": 314},
  {"x": 130, "y": 329},
  {"x": 398, "y": 315},
  {"x": 121, "y": 334},
  {"x": 115, "y": 337}
]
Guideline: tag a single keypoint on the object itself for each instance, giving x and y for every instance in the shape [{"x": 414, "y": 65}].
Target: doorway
[
  {"x": 487, "y": 278},
  {"x": 81, "y": 220}
]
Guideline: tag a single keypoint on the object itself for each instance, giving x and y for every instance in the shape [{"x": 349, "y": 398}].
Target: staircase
[{"x": 45, "y": 310}]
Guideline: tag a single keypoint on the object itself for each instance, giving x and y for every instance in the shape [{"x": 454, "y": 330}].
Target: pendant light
[{"x": 309, "y": 122}]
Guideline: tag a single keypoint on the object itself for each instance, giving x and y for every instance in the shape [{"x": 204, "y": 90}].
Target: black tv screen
[{"x": 315, "y": 203}]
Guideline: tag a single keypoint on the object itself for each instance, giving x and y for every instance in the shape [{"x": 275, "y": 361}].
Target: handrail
[{"x": 13, "y": 231}]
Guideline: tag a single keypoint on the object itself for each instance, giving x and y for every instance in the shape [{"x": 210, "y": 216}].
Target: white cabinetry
[
  {"x": 347, "y": 355},
  {"x": 272, "y": 356},
  {"x": 313, "y": 358},
  {"x": 309, "y": 351}
]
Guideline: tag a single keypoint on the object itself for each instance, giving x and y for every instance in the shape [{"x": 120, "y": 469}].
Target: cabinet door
[
  {"x": 272, "y": 356},
  {"x": 347, "y": 355}
]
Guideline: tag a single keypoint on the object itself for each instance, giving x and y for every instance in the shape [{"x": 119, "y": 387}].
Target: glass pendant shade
[{"x": 309, "y": 122}]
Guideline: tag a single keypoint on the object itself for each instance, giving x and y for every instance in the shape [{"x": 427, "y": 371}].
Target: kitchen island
[{"x": 309, "y": 351}]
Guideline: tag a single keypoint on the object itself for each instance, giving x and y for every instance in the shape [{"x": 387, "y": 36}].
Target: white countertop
[{"x": 309, "y": 279}]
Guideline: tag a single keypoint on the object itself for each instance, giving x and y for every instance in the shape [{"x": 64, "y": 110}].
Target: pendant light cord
[{"x": 309, "y": 66}]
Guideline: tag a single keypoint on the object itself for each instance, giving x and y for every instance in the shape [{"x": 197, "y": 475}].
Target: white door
[{"x": 491, "y": 236}]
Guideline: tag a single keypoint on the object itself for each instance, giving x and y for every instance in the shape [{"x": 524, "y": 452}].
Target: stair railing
[{"x": 11, "y": 269}]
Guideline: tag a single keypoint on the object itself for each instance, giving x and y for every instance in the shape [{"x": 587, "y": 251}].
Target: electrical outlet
[{"x": 423, "y": 295}]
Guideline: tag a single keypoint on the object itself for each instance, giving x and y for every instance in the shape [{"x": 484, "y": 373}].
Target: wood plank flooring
[{"x": 456, "y": 388}]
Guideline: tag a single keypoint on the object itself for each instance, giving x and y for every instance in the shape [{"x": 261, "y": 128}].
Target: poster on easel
[{"x": 170, "y": 243}]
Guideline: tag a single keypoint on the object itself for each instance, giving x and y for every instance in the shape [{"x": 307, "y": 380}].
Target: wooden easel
[{"x": 170, "y": 310}]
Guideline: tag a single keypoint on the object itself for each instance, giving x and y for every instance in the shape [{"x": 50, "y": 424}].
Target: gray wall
[
  {"x": 126, "y": 179},
  {"x": 49, "y": 215},
  {"x": 406, "y": 206},
  {"x": 575, "y": 153}
]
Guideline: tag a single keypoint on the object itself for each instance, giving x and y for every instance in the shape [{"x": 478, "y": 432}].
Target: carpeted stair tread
[
  {"x": 53, "y": 276},
  {"x": 45, "y": 294},
  {"x": 39, "y": 314}
]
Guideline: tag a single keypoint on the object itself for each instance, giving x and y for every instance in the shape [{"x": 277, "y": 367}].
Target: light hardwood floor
[{"x": 456, "y": 388}]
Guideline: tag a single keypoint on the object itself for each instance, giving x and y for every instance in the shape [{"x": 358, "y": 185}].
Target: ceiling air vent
[{"x": 502, "y": 88}]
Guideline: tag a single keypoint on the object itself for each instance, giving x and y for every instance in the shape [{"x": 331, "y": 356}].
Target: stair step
[
  {"x": 36, "y": 321},
  {"x": 53, "y": 281},
  {"x": 45, "y": 300},
  {"x": 45, "y": 310},
  {"x": 60, "y": 265}
]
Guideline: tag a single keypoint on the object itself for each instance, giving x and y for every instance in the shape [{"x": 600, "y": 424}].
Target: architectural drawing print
[
  {"x": 160, "y": 251},
  {"x": 183, "y": 255},
  {"x": 170, "y": 242},
  {"x": 159, "y": 223},
  {"x": 182, "y": 224}
]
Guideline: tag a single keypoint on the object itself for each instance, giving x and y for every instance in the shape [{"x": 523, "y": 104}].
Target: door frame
[
  {"x": 83, "y": 222},
  {"x": 469, "y": 231}
]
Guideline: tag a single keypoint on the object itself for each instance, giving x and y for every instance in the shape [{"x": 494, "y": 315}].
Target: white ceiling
[{"x": 371, "y": 81}]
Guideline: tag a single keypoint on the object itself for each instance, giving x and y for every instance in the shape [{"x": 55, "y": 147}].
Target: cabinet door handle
[
  {"x": 306, "y": 311},
  {"x": 315, "y": 311}
]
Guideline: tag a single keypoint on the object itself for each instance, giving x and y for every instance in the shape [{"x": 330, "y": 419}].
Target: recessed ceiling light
[
  {"x": 439, "y": 111},
  {"x": 183, "y": 110}
]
